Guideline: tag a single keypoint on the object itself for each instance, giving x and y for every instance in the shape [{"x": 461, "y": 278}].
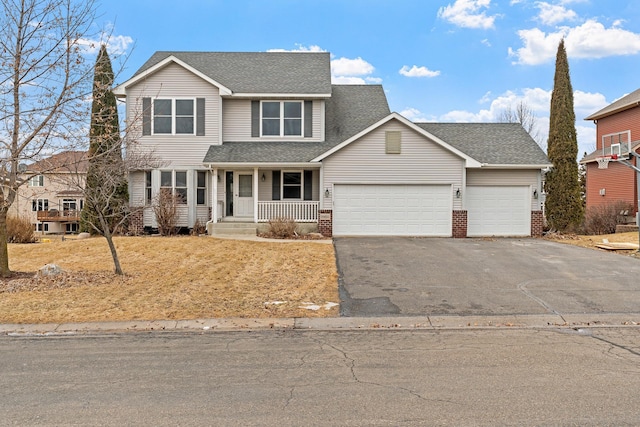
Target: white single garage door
[
  {"x": 498, "y": 211},
  {"x": 392, "y": 210}
]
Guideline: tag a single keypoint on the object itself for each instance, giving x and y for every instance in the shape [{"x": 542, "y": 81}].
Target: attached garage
[
  {"x": 498, "y": 211},
  {"x": 392, "y": 210}
]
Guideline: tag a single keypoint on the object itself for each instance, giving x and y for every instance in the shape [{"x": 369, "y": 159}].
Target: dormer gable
[{"x": 120, "y": 90}]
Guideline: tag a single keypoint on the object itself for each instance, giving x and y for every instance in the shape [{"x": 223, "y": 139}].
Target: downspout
[{"x": 214, "y": 197}]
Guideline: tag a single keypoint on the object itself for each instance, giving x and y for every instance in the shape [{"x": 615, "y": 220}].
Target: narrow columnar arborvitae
[
  {"x": 105, "y": 152},
  {"x": 563, "y": 207}
]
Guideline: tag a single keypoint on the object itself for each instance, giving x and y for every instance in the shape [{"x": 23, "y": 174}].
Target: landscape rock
[
  {"x": 50, "y": 270},
  {"x": 83, "y": 236}
]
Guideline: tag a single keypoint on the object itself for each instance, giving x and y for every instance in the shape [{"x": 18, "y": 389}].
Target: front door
[{"x": 243, "y": 194}]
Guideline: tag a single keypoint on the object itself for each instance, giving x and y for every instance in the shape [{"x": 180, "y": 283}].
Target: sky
[{"x": 438, "y": 61}]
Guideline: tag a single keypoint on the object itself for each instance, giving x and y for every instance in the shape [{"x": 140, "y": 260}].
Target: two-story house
[
  {"x": 53, "y": 195},
  {"x": 262, "y": 135},
  {"x": 617, "y": 133}
]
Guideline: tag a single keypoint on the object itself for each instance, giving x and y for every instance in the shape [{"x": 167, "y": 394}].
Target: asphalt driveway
[{"x": 382, "y": 276}]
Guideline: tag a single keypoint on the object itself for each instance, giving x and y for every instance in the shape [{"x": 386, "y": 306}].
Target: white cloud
[
  {"x": 467, "y": 14},
  {"x": 116, "y": 45},
  {"x": 416, "y": 115},
  {"x": 416, "y": 71},
  {"x": 486, "y": 42},
  {"x": 352, "y": 72},
  {"x": 552, "y": 14},
  {"x": 351, "y": 67},
  {"x": 589, "y": 40},
  {"x": 300, "y": 48}
]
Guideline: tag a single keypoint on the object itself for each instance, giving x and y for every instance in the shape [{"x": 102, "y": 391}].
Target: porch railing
[
  {"x": 298, "y": 211},
  {"x": 70, "y": 215}
]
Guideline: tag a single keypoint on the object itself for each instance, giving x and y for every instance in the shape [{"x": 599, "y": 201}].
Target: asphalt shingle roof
[
  {"x": 258, "y": 72},
  {"x": 350, "y": 109},
  {"x": 490, "y": 143}
]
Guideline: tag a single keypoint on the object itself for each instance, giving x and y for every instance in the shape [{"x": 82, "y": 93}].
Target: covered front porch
[{"x": 259, "y": 194}]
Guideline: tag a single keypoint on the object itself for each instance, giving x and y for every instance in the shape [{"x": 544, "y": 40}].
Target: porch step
[{"x": 238, "y": 228}]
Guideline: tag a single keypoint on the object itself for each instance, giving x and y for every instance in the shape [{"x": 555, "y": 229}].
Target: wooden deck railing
[
  {"x": 297, "y": 211},
  {"x": 54, "y": 215}
]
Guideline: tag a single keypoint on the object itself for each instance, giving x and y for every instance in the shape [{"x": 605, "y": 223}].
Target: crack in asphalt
[
  {"x": 522, "y": 287},
  {"x": 352, "y": 367}
]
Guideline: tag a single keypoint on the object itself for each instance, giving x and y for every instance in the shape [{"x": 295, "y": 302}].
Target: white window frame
[
  {"x": 198, "y": 188},
  {"x": 282, "y": 118},
  {"x": 36, "y": 181},
  {"x": 148, "y": 189},
  {"x": 174, "y": 116},
  {"x": 282, "y": 184},
  {"x": 39, "y": 203},
  {"x": 67, "y": 203},
  {"x": 174, "y": 187}
]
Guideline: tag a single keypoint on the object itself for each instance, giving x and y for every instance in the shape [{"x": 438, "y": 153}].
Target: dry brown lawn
[
  {"x": 592, "y": 241},
  {"x": 168, "y": 278}
]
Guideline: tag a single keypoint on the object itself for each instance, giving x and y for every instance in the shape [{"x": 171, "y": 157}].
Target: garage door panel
[
  {"x": 416, "y": 210},
  {"x": 498, "y": 211}
]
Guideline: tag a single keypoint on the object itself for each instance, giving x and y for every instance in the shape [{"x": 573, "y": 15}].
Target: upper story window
[
  {"x": 36, "y": 181},
  {"x": 40, "y": 205},
  {"x": 173, "y": 116},
  {"x": 281, "y": 118}
]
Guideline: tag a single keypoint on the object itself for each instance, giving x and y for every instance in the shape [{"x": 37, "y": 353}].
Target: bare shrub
[
  {"x": 198, "y": 228},
  {"x": 19, "y": 230},
  {"x": 603, "y": 219},
  {"x": 281, "y": 228},
  {"x": 165, "y": 207}
]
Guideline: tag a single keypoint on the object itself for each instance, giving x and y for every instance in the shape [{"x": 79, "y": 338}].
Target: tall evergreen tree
[
  {"x": 563, "y": 206},
  {"x": 106, "y": 195},
  {"x": 105, "y": 152}
]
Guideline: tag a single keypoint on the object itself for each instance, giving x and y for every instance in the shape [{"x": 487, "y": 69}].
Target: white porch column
[
  {"x": 214, "y": 196},
  {"x": 255, "y": 195}
]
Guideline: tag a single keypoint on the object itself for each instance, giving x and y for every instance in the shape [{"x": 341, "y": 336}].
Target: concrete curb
[{"x": 332, "y": 323}]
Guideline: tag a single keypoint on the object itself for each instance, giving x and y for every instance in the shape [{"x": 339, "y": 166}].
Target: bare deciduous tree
[
  {"x": 44, "y": 82},
  {"x": 524, "y": 115}
]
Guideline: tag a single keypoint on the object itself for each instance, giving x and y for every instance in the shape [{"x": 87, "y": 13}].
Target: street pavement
[{"x": 463, "y": 377}]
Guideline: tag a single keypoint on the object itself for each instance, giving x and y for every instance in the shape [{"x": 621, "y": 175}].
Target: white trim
[
  {"x": 282, "y": 118},
  {"x": 470, "y": 162},
  {"x": 301, "y": 172},
  {"x": 120, "y": 90},
  {"x": 508, "y": 166},
  {"x": 174, "y": 115},
  {"x": 223, "y": 165},
  {"x": 280, "y": 95}
]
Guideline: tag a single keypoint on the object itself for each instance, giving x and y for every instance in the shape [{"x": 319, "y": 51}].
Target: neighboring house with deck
[
  {"x": 250, "y": 137},
  {"x": 617, "y": 127},
  {"x": 53, "y": 196}
]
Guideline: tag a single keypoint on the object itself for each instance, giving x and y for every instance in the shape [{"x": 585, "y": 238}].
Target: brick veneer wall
[
  {"x": 325, "y": 225},
  {"x": 136, "y": 221},
  {"x": 459, "y": 229},
  {"x": 537, "y": 223}
]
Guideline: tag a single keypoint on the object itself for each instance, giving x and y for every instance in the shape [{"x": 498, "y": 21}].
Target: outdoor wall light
[
  {"x": 535, "y": 193},
  {"x": 218, "y": 175},
  {"x": 327, "y": 193},
  {"x": 458, "y": 193},
  {"x": 263, "y": 177}
]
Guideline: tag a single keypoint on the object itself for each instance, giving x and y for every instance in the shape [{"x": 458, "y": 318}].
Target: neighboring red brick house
[{"x": 617, "y": 123}]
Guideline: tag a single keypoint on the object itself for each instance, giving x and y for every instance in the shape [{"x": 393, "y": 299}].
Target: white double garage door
[{"x": 426, "y": 210}]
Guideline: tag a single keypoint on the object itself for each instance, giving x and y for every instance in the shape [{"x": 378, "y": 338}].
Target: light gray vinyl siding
[
  {"x": 265, "y": 188},
  {"x": 236, "y": 120},
  {"x": 174, "y": 81},
  {"x": 421, "y": 161},
  {"x": 136, "y": 188},
  {"x": 508, "y": 177}
]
